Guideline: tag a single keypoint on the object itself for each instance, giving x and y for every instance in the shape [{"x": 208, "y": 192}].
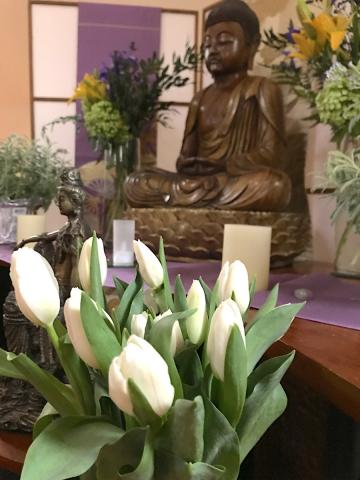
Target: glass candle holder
[{"x": 123, "y": 236}]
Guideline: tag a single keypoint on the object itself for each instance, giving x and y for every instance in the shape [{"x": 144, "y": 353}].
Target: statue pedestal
[{"x": 197, "y": 233}]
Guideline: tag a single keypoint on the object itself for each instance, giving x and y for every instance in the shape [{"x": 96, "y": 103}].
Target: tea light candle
[
  {"x": 28, "y": 226},
  {"x": 123, "y": 236},
  {"x": 252, "y": 245}
]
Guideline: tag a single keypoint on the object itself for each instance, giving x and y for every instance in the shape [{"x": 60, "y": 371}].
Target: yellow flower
[
  {"x": 91, "y": 89},
  {"x": 306, "y": 48},
  {"x": 330, "y": 28}
]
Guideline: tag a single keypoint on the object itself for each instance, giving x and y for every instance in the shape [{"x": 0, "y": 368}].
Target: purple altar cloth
[
  {"x": 188, "y": 271},
  {"x": 334, "y": 301}
]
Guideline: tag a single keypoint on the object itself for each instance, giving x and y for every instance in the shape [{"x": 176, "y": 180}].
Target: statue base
[{"x": 192, "y": 234}]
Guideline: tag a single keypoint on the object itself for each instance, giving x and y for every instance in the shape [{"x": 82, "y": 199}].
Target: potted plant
[{"x": 29, "y": 177}]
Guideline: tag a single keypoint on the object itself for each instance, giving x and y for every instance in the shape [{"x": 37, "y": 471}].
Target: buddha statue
[{"x": 232, "y": 151}]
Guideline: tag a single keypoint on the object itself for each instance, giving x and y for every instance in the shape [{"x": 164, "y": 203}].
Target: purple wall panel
[{"x": 104, "y": 28}]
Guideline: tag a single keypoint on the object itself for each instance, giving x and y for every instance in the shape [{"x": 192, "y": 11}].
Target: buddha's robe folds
[{"x": 237, "y": 163}]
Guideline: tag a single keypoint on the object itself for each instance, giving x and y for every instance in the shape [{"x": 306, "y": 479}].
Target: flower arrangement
[
  {"x": 30, "y": 169},
  {"x": 338, "y": 103},
  {"x": 165, "y": 385},
  {"x": 326, "y": 32},
  {"x": 121, "y": 99}
]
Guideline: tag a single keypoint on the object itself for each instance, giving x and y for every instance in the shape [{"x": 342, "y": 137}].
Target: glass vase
[
  {"x": 121, "y": 161},
  {"x": 347, "y": 257}
]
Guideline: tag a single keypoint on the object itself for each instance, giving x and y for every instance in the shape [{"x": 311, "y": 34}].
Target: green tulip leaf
[
  {"x": 270, "y": 304},
  {"x": 180, "y": 296},
  {"x": 137, "y": 306},
  {"x": 130, "y": 458},
  {"x": 102, "y": 340},
  {"x": 7, "y": 368},
  {"x": 182, "y": 434},
  {"x": 275, "y": 365},
  {"x": 120, "y": 287},
  {"x": 160, "y": 339},
  {"x": 47, "y": 415},
  {"x": 268, "y": 329},
  {"x": 172, "y": 467},
  {"x": 232, "y": 391},
  {"x": 207, "y": 292},
  {"x": 60, "y": 396},
  {"x": 125, "y": 337},
  {"x": 142, "y": 408},
  {"x": 78, "y": 376},
  {"x": 166, "y": 285},
  {"x": 68, "y": 447},
  {"x": 123, "y": 309},
  {"x": 214, "y": 300},
  {"x": 266, "y": 402},
  {"x": 203, "y": 471},
  {"x": 96, "y": 288},
  {"x": 221, "y": 443},
  {"x": 190, "y": 370}
]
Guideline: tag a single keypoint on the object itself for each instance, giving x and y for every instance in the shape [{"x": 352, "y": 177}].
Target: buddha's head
[{"x": 232, "y": 37}]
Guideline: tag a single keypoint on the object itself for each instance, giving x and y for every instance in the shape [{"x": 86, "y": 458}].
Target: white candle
[
  {"x": 252, "y": 245},
  {"x": 123, "y": 236},
  {"x": 28, "y": 226}
]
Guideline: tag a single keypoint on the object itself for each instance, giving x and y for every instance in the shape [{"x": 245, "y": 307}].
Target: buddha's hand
[{"x": 196, "y": 166}]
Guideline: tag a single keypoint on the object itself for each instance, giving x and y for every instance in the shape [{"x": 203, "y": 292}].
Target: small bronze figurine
[
  {"x": 62, "y": 247},
  {"x": 231, "y": 156},
  {"x": 20, "y": 404}
]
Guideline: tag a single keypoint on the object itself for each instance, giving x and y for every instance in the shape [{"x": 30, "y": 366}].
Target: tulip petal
[
  {"x": 149, "y": 265},
  {"x": 76, "y": 330},
  {"x": 84, "y": 263},
  {"x": 35, "y": 285}
]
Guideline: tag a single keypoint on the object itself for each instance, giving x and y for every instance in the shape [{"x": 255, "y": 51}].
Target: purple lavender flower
[{"x": 291, "y": 29}]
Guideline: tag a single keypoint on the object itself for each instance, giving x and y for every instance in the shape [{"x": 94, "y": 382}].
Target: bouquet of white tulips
[{"x": 166, "y": 385}]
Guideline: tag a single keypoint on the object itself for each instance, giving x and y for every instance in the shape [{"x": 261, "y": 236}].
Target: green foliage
[
  {"x": 30, "y": 169},
  {"x": 338, "y": 102}
]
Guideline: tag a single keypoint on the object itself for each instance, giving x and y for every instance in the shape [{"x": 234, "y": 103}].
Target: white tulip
[
  {"x": 149, "y": 265},
  {"x": 177, "y": 339},
  {"x": 196, "y": 323},
  {"x": 138, "y": 324},
  {"x": 35, "y": 285},
  {"x": 84, "y": 263},
  {"x": 225, "y": 317},
  {"x": 234, "y": 280},
  {"x": 76, "y": 330},
  {"x": 140, "y": 362}
]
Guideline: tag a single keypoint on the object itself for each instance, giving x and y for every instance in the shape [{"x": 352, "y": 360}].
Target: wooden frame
[{"x": 34, "y": 98}]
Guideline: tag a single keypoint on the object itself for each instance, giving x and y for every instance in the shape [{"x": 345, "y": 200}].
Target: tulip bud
[
  {"x": 35, "y": 285},
  {"x": 140, "y": 362},
  {"x": 84, "y": 263},
  {"x": 149, "y": 265},
  {"x": 196, "y": 323},
  {"x": 138, "y": 324},
  {"x": 225, "y": 317},
  {"x": 76, "y": 330},
  {"x": 177, "y": 339},
  {"x": 234, "y": 280}
]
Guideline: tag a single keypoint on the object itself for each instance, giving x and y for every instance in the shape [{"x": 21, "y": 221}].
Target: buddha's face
[{"x": 226, "y": 48}]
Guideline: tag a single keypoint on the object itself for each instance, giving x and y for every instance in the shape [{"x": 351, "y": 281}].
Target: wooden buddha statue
[{"x": 231, "y": 155}]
